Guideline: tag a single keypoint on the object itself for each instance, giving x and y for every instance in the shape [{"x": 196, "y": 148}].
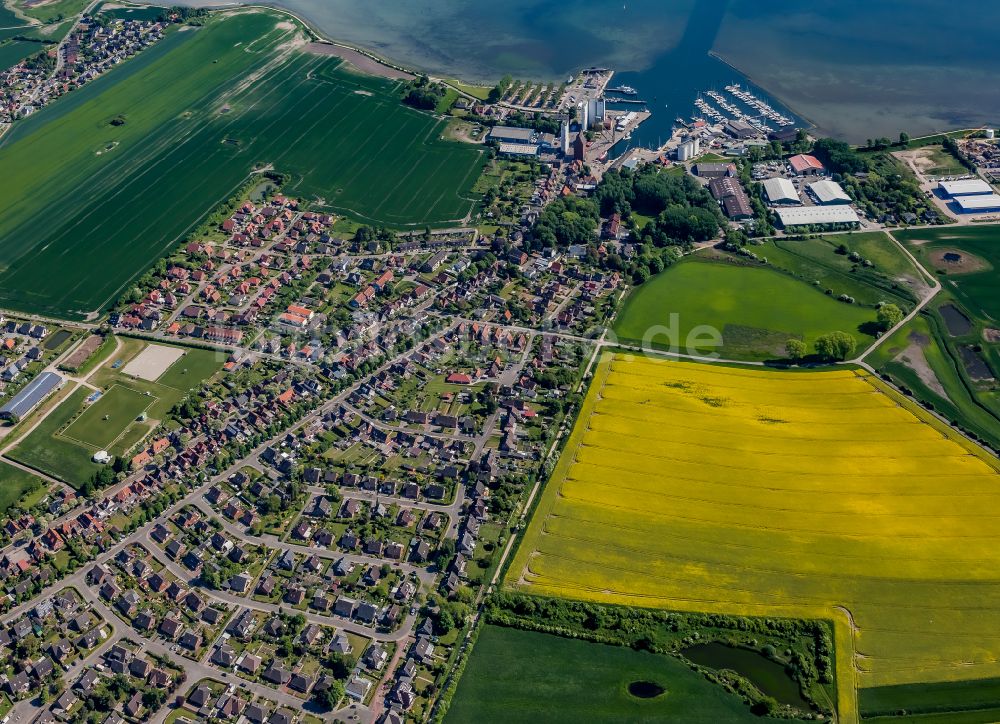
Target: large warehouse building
[
  {"x": 511, "y": 134},
  {"x": 805, "y": 165},
  {"x": 817, "y": 216},
  {"x": 965, "y": 187},
  {"x": 781, "y": 191},
  {"x": 27, "y": 399},
  {"x": 829, "y": 192},
  {"x": 978, "y": 204}
]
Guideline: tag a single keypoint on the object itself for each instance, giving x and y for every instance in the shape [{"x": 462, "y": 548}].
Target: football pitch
[
  {"x": 202, "y": 110},
  {"x": 757, "y": 492},
  {"x": 107, "y": 419}
]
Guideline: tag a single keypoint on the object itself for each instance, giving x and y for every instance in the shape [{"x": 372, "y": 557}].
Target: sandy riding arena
[{"x": 153, "y": 362}]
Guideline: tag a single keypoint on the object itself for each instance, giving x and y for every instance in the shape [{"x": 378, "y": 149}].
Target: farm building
[
  {"x": 829, "y": 192},
  {"x": 817, "y": 216},
  {"x": 805, "y": 165},
  {"x": 781, "y": 191},
  {"x": 965, "y": 187},
  {"x": 27, "y": 399},
  {"x": 979, "y": 204}
]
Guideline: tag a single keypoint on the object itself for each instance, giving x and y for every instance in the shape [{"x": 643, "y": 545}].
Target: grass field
[
  {"x": 63, "y": 443},
  {"x": 977, "y": 290},
  {"x": 14, "y": 483},
  {"x": 759, "y": 492},
  {"x": 756, "y": 309},
  {"x": 203, "y": 108},
  {"x": 921, "y": 356},
  {"x": 52, "y": 11},
  {"x": 815, "y": 261},
  {"x": 107, "y": 419},
  {"x": 927, "y": 355},
  {"x": 976, "y": 697},
  {"x": 519, "y": 676},
  {"x": 44, "y": 449}
]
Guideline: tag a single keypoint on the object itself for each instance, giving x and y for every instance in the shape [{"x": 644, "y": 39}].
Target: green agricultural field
[
  {"x": 150, "y": 12},
  {"x": 977, "y": 697},
  {"x": 202, "y": 109},
  {"x": 53, "y": 10},
  {"x": 805, "y": 494},
  {"x": 13, "y": 51},
  {"x": 756, "y": 309},
  {"x": 518, "y": 676},
  {"x": 107, "y": 419},
  {"x": 14, "y": 484}
]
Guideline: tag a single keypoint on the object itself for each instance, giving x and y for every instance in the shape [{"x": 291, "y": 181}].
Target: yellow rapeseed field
[{"x": 794, "y": 493}]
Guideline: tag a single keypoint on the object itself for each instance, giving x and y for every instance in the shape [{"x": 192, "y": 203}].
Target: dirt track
[{"x": 359, "y": 60}]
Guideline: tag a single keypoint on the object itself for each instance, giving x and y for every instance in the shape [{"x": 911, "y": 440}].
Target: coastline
[{"x": 313, "y": 29}]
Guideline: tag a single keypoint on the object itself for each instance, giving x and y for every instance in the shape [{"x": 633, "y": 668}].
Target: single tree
[
  {"x": 835, "y": 346},
  {"x": 795, "y": 349},
  {"x": 889, "y": 315}
]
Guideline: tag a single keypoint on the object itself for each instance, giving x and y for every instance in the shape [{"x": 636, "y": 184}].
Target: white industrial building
[
  {"x": 817, "y": 216},
  {"x": 596, "y": 110},
  {"x": 689, "y": 149},
  {"x": 519, "y": 149},
  {"x": 829, "y": 192},
  {"x": 781, "y": 191},
  {"x": 965, "y": 187},
  {"x": 978, "y": 204}
]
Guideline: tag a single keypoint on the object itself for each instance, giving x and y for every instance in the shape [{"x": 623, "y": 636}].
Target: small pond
[
  {"x": 955, "y": 320},
  {"x": 767, "y": 675},
  {"x": 57, "y": 339},
  {"x": 975, "y": 365},
  {"x": 645, "y": 689}
]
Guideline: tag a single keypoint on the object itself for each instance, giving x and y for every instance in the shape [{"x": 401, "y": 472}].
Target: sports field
[
  {"x": 803, "y": 494},
  {"x": 203, "y": 108},
  {"x": 64, "y": 442},
  {"x": 105, "y": 420},
  {"x": 756, "y": 310},
  {"x": 519, "y": 676}
]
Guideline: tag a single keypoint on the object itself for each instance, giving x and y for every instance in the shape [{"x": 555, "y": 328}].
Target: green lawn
[
  {"x": 756, "y": 310},
  {"x": 520, "y": 676},
  {"x": 105, "y": 420},
  {"x": 14, "y": 483},
  {"x": 196, "y": 366},
  {"x": 193, "y": 132}
]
